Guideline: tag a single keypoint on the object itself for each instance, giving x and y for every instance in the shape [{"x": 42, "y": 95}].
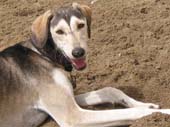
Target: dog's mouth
[
  {"x": 79, "y": 64},
  {"x": 68, "y": 63}
]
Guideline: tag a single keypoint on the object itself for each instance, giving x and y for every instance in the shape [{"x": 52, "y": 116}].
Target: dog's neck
[{"x": 50, "y": 52}]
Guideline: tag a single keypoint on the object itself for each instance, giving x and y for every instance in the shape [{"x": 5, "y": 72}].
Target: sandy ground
[{"x": 129, "y": 48}]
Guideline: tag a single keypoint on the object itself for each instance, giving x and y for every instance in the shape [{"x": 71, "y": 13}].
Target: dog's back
[{"x": 20, "y": 72}]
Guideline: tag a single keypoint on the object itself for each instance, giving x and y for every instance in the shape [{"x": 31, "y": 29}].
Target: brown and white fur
[{"x": 34, "y": 79}]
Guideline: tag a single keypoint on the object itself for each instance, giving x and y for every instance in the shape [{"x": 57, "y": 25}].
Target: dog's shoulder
[
  {"x": 23, "y": 57},
  {"x": 15, "y": 51},
  {"x": 18, "y": 61},
  {"x": 19, "y": 64}
]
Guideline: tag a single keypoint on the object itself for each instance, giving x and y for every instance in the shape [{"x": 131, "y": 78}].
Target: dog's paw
[
  {"x": 149, "y": 105},
  {"x": 154, "y": 106}
]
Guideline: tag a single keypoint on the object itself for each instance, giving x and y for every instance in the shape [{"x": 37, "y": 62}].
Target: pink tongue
[{"x": 79, "y": 64}]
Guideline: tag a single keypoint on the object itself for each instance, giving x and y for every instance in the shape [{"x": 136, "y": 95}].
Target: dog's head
[{"x": 64, "y": 31}]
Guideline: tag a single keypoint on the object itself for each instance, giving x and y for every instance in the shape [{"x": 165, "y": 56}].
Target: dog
[{"x": 35, "y": 81}]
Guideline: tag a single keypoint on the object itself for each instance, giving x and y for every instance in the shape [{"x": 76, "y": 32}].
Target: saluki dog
[{"x": 35, "y": 81}]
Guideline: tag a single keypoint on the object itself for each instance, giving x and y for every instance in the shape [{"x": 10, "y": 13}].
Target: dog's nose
[{"x": 78, "y": 52}]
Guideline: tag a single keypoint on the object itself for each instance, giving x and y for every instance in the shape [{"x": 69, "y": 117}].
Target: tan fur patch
[
  {"x": 40, "y": 29},
  {"x": 87, "y": 12}
]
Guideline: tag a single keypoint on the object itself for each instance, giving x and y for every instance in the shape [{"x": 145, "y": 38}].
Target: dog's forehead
[{"x": 65, "y": 13}]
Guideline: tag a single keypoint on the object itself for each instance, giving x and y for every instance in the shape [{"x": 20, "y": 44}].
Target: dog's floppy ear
[
  {"x": 87, "y": 12},
  {"x": 40, "y": 29}
]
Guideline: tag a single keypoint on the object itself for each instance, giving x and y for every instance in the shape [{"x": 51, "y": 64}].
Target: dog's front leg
[
  {"x": 68, "y": 114},
  {"x": 110, "y": 95},
  {"x": 57, "y": 100}
]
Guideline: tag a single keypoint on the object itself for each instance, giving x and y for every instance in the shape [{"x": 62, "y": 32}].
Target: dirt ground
[{"x": 129, "y": 48}]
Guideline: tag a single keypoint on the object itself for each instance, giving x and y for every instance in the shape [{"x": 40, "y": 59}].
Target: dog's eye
[
  {"x": 80, "y": 26},
  {"x": 60, "y": 32}
]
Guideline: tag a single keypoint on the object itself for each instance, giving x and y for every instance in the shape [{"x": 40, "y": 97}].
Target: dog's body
[
  {"x": 34, "y": 82},
  {"x": 21, "y": 77}
]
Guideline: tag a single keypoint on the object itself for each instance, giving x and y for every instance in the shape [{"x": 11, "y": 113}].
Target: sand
[{"x": 129, "y": 48}]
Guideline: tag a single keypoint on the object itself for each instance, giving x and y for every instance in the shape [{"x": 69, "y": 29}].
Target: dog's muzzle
[{"x": 79, "y": 62}]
